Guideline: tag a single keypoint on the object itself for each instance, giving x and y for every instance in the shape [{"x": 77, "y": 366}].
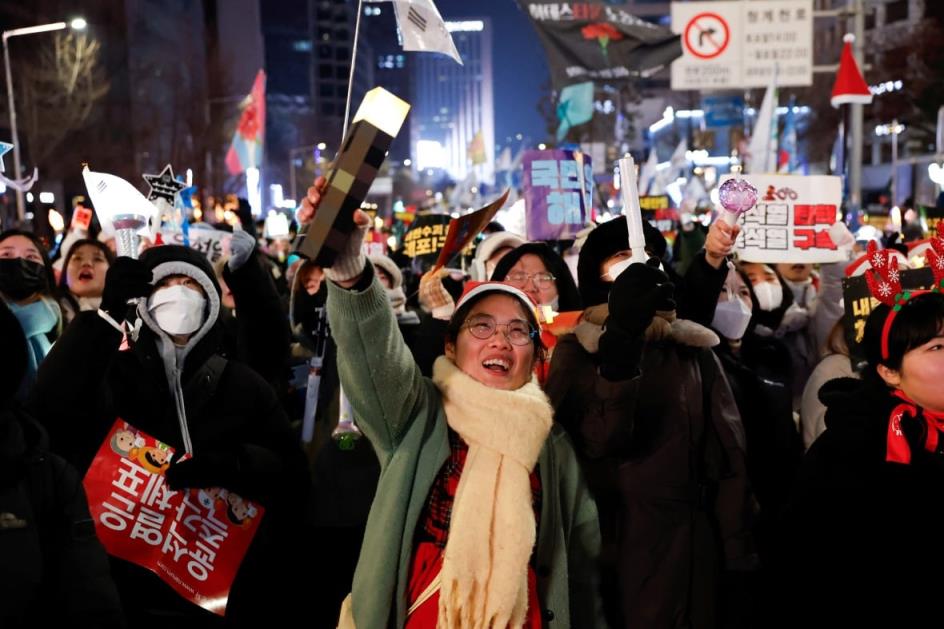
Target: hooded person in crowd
[
  {"x": 757, "y": 369},
  {"x": 83, "y": 277},
  {"x": 654, "y": 417},
  {"x": 490, "y": 251},
  {"x": 481, "y": 517},
  {"x": 166, "y": 379},
  {"x": 862, "y": 532},
  {"x": 27, "y": 287},
  {"x": 54, "y": 569}
]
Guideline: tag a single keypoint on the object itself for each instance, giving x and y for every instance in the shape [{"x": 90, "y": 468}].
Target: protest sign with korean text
[
  {"x": 791, "y": 220},
  {"x": 213, "y": 243},
  {"x": 558, "y": 193},
  {"x": 859, "y": 303},
  {"x": 193, "y": 539},
  {"x": 426, "y": 237},
  {"x": 658, "y": 210}
]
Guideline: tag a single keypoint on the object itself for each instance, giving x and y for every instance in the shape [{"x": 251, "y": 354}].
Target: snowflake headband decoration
[{"x": 884, "y": 280}]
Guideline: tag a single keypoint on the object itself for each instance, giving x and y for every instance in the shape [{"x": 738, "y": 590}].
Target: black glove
[
  {"x": 637, "y": 294},
  {"x": 126, "y": 279},
  {"x": 206, "y": 469}
]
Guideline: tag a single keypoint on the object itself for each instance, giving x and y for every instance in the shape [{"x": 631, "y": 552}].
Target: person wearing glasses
[
  {"x": 544, "y": 276},
  {"x": 481, "y": 516}
]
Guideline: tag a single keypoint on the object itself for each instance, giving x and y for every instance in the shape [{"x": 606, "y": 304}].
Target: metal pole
[
  {"x": 894, "y": 162},
  {"x": 291, "y": 164},
  {"x": 856, "y": 109},
  {"x": 350, "y": 79},
  {"x": 20, "y": 205}
]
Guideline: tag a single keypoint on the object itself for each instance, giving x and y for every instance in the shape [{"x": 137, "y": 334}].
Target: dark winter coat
[
  {"x": 53, "y": 570},
  {"x": 666, "y": 466},
  {"x": 258, "y": 336},
  {"x": 87, "y": 383},
  {"x": 861, "y": 541}
]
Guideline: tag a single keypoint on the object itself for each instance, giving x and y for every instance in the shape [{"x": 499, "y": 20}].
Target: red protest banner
[
  {"x": 194, "y": 539},
  {"x": 463, "y": 229}
]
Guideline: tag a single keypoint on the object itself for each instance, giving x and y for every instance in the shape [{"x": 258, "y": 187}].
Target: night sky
[{"x": 517, "y": 63}]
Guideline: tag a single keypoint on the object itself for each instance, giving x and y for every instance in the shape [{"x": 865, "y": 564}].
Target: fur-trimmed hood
[{"x": 664, "y": 327}]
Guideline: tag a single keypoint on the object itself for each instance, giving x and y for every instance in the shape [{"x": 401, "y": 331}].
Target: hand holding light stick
[{"x": 637, "y": 239}]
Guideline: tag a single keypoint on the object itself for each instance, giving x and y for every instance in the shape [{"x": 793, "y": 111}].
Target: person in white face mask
[
  {"x": 151, "y": 357},
  {"x": 758, "y": 370},
  {"x": 783, "y": 317}
]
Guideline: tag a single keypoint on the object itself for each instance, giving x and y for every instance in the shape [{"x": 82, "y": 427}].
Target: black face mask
[{"x": 20, "y": 278}]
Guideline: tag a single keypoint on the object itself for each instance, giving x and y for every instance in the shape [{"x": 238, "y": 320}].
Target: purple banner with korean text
[{"x": 558, "y": 193}]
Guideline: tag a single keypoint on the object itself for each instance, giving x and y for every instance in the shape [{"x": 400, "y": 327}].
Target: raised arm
[{"x": 377, "y": 370}]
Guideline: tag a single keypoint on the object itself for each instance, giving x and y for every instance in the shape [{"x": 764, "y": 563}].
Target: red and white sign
[
  {"x": 706, "y": 35},
  {"x": 194, "y": 539},
  {"x": 791, "y": 220},
  {"x": 734, "y": 45}
]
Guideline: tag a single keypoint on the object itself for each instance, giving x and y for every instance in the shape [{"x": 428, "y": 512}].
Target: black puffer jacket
[
  {"x": 87, "y": 383},
  {"x": 53, "y": 570}
]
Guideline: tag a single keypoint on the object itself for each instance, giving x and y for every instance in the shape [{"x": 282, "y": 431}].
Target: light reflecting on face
[
  {"x": 757, "y": 273},
  {"x": 530, "y": 275},
  {"x": 495, "y": 361},
  {"x": 20, "y": 247},
  {"x": 921, "y": 374},
  {"x": 85, "y": 274},
  {"x": 734, "y": 285}
]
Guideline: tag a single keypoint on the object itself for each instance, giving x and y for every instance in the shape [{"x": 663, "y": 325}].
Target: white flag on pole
[
  {"x": 423, "y": 29},
  {"x": 762, "y": 151},
  {"x": 113, "y": 195},
  {"x": 648, "y": 171}
]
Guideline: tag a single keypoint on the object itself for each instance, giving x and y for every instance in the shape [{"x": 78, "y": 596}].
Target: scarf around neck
[
  {"x": 484, "y": 578},
  {"x": 898, "y": 449},
  {"x": 37, "y": 319}
]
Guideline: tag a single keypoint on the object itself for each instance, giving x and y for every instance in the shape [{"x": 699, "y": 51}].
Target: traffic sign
[
  {"x": 732, "y": 44},
  {"x": 706, "y": 35}
]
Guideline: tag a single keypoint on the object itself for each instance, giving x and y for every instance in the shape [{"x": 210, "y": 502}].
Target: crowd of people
[{"x": 693, "y": 449}]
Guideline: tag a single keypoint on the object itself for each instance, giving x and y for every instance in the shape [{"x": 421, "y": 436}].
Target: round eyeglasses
[
  {"x": 520, "y": 279},
  {"x": 483, "y": 327}
]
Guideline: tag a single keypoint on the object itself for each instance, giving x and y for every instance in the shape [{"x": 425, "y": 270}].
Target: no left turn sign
[{"x": 706, "y": 35}]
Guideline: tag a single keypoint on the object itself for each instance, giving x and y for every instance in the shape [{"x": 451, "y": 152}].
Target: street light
[
  {"x": 893, "y": 130},
  {"x": 77, "y": 24}
]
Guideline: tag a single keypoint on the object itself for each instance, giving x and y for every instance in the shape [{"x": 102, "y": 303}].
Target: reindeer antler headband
[{"x": 884, "y": 280}]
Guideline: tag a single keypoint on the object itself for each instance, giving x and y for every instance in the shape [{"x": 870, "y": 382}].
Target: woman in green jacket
[{"x": 481, "y": 516}]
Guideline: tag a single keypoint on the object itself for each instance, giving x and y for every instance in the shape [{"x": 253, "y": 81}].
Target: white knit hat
[{"x": 489, "y": 246}]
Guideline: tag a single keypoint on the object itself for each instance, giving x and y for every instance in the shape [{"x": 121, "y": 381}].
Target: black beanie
[{"x": 606, "y": 240}]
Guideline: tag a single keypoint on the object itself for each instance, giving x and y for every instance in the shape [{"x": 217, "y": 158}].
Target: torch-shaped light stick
[
  {"x": 637, "y": 239},
  {"x": 122, "y": 210}
]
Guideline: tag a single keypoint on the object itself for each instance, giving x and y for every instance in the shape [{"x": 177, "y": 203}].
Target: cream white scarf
[{"x": 484, "y": 578}]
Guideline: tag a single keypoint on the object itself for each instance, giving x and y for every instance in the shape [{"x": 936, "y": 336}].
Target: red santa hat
[{"x": 849, "y": 87}]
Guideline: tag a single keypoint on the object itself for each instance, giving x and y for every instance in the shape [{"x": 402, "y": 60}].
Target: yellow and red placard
[{"x": 193, "y": 539}]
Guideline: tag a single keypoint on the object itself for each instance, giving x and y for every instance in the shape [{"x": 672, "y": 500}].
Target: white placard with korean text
[{"x": 791, "y": 220}]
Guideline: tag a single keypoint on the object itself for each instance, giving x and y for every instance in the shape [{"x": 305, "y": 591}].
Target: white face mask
[
  {"x": 732, "y": 318},
  {"x": 177, "y": 309},
  {"x": 769, "y": 295}
]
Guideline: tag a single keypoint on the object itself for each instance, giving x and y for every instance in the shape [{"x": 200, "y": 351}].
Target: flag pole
[{"x": 350, "y": 79}]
